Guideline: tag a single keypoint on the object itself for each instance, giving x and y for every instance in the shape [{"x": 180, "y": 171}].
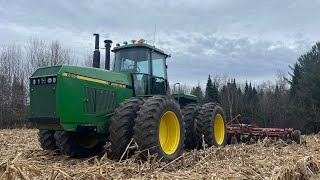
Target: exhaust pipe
[
  {"x": 96, "y": 53},
  {"x": 107, "y": 61}
]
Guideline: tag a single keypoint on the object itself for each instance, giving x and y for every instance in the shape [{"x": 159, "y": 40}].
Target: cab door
[{"x": 158, "y": 79}]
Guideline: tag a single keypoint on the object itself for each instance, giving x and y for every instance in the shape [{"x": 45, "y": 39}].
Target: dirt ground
[{"x": 22, "y": 158}]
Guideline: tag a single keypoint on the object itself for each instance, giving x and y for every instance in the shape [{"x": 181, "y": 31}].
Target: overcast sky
[{"x": 248, "y": 40}]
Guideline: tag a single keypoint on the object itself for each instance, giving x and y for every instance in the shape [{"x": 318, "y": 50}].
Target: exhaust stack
[
  {"x": 107, "y": 61},
  {"x": 96, "y": 53}
]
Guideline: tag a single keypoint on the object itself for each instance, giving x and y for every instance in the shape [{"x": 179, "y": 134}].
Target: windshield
[{"x": 133, "y": 60}]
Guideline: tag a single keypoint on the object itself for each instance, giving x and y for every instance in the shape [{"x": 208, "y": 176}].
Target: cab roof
[{"x": 115, "y": 49}]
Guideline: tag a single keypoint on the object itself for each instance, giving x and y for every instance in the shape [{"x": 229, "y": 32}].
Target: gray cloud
[{"x": 245, "y": 39}]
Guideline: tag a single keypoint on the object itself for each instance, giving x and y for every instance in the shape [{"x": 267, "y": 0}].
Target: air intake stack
[{"x": 107, "y": 61}]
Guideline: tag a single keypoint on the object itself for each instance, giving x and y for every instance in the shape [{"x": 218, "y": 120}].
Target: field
[{"x": 22, "y": 158}]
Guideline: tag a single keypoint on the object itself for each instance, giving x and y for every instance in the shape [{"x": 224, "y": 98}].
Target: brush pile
[{"x": 22, "y": 158}]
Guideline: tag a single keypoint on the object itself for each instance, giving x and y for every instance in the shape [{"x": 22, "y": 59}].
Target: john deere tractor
[{"x": 78, "y": 109}]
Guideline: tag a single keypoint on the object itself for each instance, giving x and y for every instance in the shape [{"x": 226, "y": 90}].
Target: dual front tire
[
  {"x": 159, "y": 128},
  {"x": 156, "y": 124},
  {"x": 121, "y": 127}
]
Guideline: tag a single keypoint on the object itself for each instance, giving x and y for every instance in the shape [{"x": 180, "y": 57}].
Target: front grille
[
  {"x": 99, "y": 100},
  {"x": 43, "y": 100}
]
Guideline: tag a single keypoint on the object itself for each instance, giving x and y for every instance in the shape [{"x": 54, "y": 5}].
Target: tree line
[{"x": 293, "y": 100}]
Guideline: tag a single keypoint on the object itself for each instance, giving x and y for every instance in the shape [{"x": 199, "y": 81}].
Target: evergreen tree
[
  {"x": 246, "y": 88},
  {"x": 250, "y": 92},
  {"x": 254, "y": 93},
  {"x": 197, "y": 91},
  {"x": 305, "y": 90},
  {"x": 215, "y": 93},
  {"x": 294, "y": 83},
  {"x": 277, "y": 92},
  {"x": 209, "y": 94},
  {"x": 239, "y": 92}
]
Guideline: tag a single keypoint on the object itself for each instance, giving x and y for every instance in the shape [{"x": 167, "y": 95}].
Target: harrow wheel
[
  {"x": 47, "y": 140},
  {"x": 212, "y": 125},
  {"x": 76, "y": 145},
  {"x": 121, "y": 128},
  {"x": 190, "y": 113},
  {"x": 159, "y": 128},
  {"x": 296, "y": 136}
]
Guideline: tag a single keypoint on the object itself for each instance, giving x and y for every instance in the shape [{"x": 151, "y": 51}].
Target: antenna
[{"x": 154, "y": 34}]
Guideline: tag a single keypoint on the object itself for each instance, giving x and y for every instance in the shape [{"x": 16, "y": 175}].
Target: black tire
[
  {"x": 296, "y": 136},
  {"x": 121, "y": 127},
  {"x": 206, "y": 120},
  {"x": 47, "y": 140},
  {"x": 147, "y": 130},
  {"x": 190, "y": 113},
  {"x": 69, "y": 143}
]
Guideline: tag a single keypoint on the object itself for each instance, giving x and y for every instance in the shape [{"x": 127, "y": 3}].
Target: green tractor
[{"x": 78, "y": 109}]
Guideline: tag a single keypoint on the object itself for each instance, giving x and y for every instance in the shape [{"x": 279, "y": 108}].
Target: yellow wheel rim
[
  {"x": 169, "y": 132},
  {"x": 219, "y": 130}
]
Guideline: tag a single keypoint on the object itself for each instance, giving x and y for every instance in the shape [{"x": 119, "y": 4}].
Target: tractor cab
[{"x": 147, "y": 66}]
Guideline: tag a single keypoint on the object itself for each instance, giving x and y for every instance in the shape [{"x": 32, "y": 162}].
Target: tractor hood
[{"x": 62, "y": 97}]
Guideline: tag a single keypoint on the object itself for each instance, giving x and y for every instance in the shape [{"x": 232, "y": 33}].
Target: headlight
[
  {"x": 54, "y": 80},
  {"x": 49, "y": 80},
  {"x": 44, "y": 80}
]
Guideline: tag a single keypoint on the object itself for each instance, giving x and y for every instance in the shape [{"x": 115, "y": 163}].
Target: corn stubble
[{"x": 22, "y": 158}]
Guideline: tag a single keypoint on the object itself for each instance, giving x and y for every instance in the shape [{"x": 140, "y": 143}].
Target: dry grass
[{"x": 22, "y": 158}]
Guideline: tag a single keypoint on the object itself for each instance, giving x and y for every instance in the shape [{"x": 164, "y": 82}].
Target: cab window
[{"x": 158, "y": 65}]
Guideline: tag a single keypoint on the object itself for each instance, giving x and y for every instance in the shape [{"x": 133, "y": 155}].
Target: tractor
[{"x": 78, "y": 109}]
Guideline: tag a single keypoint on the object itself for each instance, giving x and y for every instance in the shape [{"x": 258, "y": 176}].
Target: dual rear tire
[
  {"x": 190, "y": 113},
  {"x": 211, "y": 125},
  {"x": 205, "y": 123}
]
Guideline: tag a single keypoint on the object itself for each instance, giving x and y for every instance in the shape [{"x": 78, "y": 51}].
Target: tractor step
[{"x": 87, "y": 129}]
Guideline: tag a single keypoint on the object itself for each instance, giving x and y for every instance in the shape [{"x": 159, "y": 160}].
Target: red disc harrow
[{"x": 246, "y": 133}]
